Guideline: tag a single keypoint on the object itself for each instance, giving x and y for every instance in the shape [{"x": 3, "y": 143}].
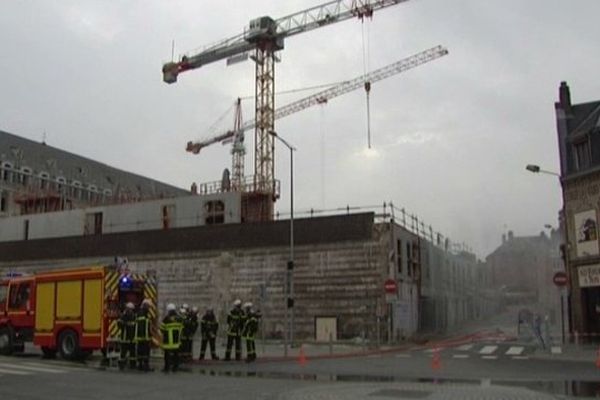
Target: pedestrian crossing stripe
[
  {"x": 465, "y": 347},
  {"x": 32, "y": 368},
  {"x": 489, "y": 357},
  {"x": 488, "y": 350},
  {"x": 515, "y": 351},
  {"x": 460, "y": 356},
  {"x": 13, "y": 372}
]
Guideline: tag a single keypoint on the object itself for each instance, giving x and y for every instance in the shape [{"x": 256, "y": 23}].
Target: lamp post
[
  {"x": 537, "y": 170},
  {"x": 289, "y": 316}
]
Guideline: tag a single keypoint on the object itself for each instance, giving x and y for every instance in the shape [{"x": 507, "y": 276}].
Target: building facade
[
  {"x": 578, "y": 129},
  {"x": 37, "y": 178}
]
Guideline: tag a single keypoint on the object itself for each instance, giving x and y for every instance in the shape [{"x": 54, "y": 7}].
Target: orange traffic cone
[
  {"x": 436, "y": 362},
  {"x": 598, "y": 359},
  {"x": 301, "y": 356}
]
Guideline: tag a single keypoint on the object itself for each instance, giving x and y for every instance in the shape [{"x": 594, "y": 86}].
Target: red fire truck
[{"x": 72, "y": 311}]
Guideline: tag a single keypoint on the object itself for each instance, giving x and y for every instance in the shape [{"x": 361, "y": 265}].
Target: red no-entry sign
[
  {"x": 560, "y": 279},
  {"x": 390, "y": 286}
]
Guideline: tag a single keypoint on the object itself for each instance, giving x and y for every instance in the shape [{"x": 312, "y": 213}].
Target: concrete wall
[
  {"x": 341, "y": 264},
  {"x": 188, "y": 211}
]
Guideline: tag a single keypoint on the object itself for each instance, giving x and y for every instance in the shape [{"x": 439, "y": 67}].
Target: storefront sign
[{"x": 589, "y": 275}]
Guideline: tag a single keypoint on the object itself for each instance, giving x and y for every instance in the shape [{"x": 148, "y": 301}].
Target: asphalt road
[{"x": 398, "y": 375}]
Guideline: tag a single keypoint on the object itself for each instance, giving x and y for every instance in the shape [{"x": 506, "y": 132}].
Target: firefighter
[
  {"x": 234, "y": 330},
  {"x": 184, "y": 349},
  {"x": 190, "y": 326},
  {"x": 127, "y": 337},
  {"x": 171, "y": 328},
  {"x": 249, "y": 331},
  {"x": 143, "y": 336},
  {"x": 209, "y": 328}
]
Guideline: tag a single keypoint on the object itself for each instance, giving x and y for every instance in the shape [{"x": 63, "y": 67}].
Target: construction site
[{"x": 376, "y": 273}]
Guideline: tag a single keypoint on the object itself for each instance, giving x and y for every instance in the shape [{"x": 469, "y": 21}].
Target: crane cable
[{"x": 365, "y": 48}]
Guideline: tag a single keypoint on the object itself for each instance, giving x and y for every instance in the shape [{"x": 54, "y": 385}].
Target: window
[
  {"x": 44, "y": 180},
  {"x": 215, "y": 212},
  {"x": 25, "y": 176},
  {"x": 60, "y": 183},
  {"x": 19, "y": 295},
  {"x": 399, "y": 251},
  {"x": 93, "y": 224},
  {"x": 26, "y": 229},
  {"x": 408, "y": 258},
  {"x": 76, "y": 189},
  {"x": 581, "y": 155},
  {"x": 6, "y": 172},
  {"x": 3, "y": 201}
]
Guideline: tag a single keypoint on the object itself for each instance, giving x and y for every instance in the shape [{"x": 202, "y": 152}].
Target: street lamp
[
  {"x": 537, "y": 170},
  {"x": 290, "y": 265}
]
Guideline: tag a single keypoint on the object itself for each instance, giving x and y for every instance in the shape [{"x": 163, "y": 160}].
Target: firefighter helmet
[
  {"x": 247, "y": 305},
  {"x": 237, "y": 302},
  {"x": 129, "y": 306},
  {"x": 171, "y": 307}
]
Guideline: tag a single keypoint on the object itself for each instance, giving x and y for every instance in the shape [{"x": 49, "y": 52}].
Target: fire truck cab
[{"x": 73, "y": 312}]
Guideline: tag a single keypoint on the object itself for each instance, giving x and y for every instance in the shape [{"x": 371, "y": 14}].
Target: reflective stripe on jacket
[
  {"x": 142, "y": 328},
  {"x": 171, "y": 333}
]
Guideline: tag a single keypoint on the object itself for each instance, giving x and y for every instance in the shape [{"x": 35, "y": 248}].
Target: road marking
[
  {"x": 556, "y": 349},
  {"x": 489, "y": 357},
  {"x": 403, "y": 355},
  {"x": 465, "y": 347},
  {"x": 520, "y": 357},
  {"x": 460, "y": 356},
  {"x": 64, "y": 367},
  {"x": 430, "y": 350},
  {"x": 32, "y": 368},
  {"x": 488, "y": 349},
  {"x": 515, "y": 351},
  {"x": 11, "y": 372}
]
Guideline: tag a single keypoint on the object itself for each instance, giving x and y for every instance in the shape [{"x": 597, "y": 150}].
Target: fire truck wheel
[
  {"x": 6, "y": 340},
  {"x": 68, "y": 345},
  {"x": 48, "y": 352}
]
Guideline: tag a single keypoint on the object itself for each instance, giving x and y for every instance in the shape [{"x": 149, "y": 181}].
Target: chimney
[
  {"x": 503, "y": 238},
  {"x": 510, "y": 235},
  {"x": 564, "y": 96}
]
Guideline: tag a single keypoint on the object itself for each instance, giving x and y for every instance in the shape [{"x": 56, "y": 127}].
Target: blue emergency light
[{"x": 125, "y": 283}]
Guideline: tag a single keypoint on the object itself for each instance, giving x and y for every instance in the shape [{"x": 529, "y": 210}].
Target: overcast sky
[{"x": 451, "y": 138}]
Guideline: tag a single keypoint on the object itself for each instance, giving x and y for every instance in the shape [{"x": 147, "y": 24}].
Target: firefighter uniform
[
  {"x": 249, "y": 331},
  {"x": 143, "y": 337},
  {"x": 171, "y": 328},
  {"x": 209, "y": 328},
  {"x": 127, "y": 337},
  {"x": 190, "y": 326},
  {"x": 234, "y": 331}
]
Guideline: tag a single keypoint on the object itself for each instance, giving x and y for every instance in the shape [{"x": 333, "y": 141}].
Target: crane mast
[{"x": 265, "y": 36}]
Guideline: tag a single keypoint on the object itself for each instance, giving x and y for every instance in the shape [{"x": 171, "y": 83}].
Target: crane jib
[
  {"x": 324, "y": 96},
  {"x": 276, "y": 31}
]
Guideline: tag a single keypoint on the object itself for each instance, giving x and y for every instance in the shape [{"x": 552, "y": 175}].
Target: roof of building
[
  {"x": 21, "y": 152},
  {"x": 585, "y": 117},
  {"x": 517, "y": 244}
]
